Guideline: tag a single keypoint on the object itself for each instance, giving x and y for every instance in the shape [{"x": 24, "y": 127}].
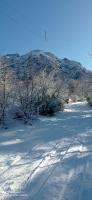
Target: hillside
[
  {"x": 40, "y": 83},
  {"x": 38, "y": 60}
]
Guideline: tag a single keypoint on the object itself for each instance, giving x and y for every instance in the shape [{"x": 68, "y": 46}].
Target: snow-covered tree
[{"x": 6, "y": 76}]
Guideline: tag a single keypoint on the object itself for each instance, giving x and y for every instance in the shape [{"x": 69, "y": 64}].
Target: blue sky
[{"x": 68, "y": 24}]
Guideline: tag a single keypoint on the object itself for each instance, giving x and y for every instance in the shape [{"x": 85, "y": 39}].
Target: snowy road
[{"x": 51, "y": 160}]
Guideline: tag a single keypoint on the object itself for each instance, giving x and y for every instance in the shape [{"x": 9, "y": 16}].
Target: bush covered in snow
[
  {"x": 50, "y": 106},
  {"x": 89, "y": 100},
  {"x": 76, "y": 98}
]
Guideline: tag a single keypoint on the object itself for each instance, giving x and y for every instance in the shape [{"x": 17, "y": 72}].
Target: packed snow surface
[{"x": 50, "y": 160}]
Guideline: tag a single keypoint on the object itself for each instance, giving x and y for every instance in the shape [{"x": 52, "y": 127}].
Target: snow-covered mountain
[{"x": 39, "y": 60}]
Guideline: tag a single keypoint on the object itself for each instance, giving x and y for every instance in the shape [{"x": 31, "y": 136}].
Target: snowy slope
[
  {"x": 51, "y": 160},
  {"x": 38, "y": 60}
]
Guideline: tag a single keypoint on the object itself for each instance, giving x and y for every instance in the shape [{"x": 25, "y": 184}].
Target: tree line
[{"x": 27, "y": 94}]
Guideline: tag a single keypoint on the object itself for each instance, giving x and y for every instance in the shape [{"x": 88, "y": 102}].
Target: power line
[
  {"x": 26, "y": 28},
  {"x": 26, "y": 19},
  {"x": 20, "y": 14}
]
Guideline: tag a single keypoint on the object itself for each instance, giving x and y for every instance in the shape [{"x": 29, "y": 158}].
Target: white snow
[{"x": 50, "y": 160}]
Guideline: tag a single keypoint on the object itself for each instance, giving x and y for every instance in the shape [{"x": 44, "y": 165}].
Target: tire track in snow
[
  {"x": 33, "y": 171},
  {"x": 82, "y": 181},
  {"x": 56, "y": 165},
  {"x": 52, "y": 171},
  {"x": 74, "y": 183},
  {"x": 42, "y": 162},
  {"x": 16, "y": 160}
]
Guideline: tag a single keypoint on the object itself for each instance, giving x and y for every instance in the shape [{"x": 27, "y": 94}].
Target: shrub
[
  {"x": 50, "y": 106},
  {"x": 89, "y": 100}
]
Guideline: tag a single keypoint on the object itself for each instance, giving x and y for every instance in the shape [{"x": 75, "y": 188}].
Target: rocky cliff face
[{"x": 38, "y": 60}]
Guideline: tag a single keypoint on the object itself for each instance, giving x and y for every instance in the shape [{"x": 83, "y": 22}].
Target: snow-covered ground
[{"x": 51, "y": 160}]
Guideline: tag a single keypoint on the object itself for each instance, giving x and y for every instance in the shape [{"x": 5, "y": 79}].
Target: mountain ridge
[{"x": 38, "y": 60}]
